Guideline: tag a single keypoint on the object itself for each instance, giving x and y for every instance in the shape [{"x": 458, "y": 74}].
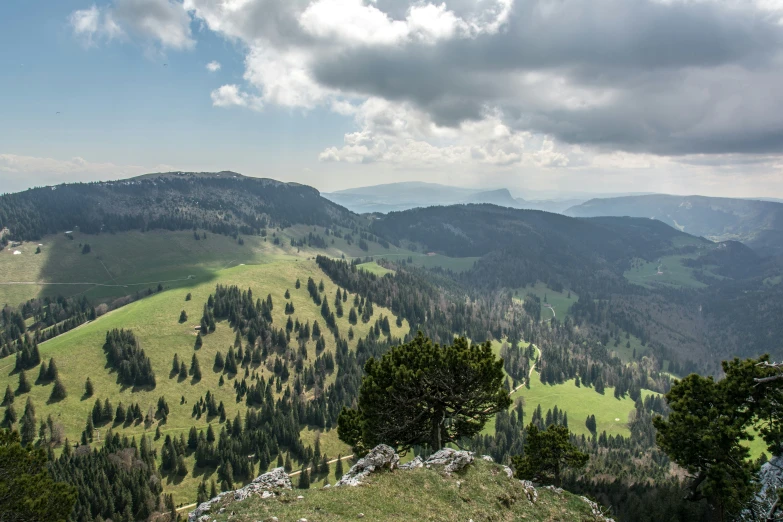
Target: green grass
[
  {"x": 625, "y": 352},
  {"x": 481, "y": 492},
  {"x": 125, "y": 262},
  {"x": 374, "y": 268},
  {"x": 154, "y": 320},
  {"x": 560, "y": 301},
  {"x": 578, "y": 402},
  {"x": 121, "y": 264},
  {"x": 668, "y": 271}
]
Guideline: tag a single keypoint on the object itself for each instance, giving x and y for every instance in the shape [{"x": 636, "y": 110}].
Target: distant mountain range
[
  {"x": 757, "y": 223},
  {"x": 392, "y": 197}
]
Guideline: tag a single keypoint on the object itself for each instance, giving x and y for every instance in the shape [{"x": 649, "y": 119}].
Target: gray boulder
[
  {"x": 380, "y": 457},
  {"x": 264, "y": 485},
  {"x": 275, "y": 479},
  {"x": 418, "y": 462},
  {"x": 451, "y": 460}
]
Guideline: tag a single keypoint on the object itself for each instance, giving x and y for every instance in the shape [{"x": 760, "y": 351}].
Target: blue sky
[{"x": 342, "y": 93}]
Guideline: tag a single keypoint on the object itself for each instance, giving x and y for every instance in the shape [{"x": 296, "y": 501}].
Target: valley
[{"x": 593, "y": 319}]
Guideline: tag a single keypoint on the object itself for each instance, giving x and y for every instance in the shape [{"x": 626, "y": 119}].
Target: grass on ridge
[{"x": 480, "y": 492}]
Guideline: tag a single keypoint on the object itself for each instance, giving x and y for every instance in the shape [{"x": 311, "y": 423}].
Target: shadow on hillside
[{"x": 110, "y": 290}]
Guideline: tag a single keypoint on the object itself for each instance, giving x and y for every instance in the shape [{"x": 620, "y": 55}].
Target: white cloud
[
  {"x": 92, "y": 24},
  {"x": 533, "y": 84},
  {"x": 213, "y": 66},
  {"x": 163, "y": 22},
  {"x": 231, "y": 96}
]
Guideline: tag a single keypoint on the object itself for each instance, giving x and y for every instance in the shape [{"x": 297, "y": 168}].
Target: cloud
[
  {"x": 93, "y": 24},
  {"x": 213, "y": 66},
  {"x": 164, "y": 22},
  {"x": 231, "y": 96},
  {"x": 544, "y": 83}
]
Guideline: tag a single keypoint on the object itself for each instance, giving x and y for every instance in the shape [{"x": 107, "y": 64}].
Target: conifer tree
[
  {"x": 88, "y": 388},
  {"x": 30, "y": 493},
  {"x": 199, "y": 341},
  {"x": 287, "y": 466},
  {"x": 422, "y": 393},
  {"x": 58, "y": 391},
  {"x": 24, "y": 385},
  {"x": 183, "y": 316},
  {"x": 43, "y": 372},
  {"x": 27, "y": 425},
  {"x": 213, "y": 492},
  {"x": 547, "y": 454},
  {"x": 287, "y": 294},
  {"x": 8, "y": 398},
  {"x": 338, "y": 467},
  {"x": 9, "y": 417},
  {"x": 195, "y": 368},
  {"x": 279, "y": 460},
  {"x": 304, "y": 479}
]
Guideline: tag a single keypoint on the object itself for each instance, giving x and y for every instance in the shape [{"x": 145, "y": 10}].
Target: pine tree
[
  {"x": 547, "y": 454},
  {"x": 29, "y": 492},
  {"x": 183, "y": 371},
  {"x": 424, "y": 381},
  {"x": 213, "y": 492},
  {"x": 338, "y": 467},
  {"x": 28, "y": 424},
  {"x": 52, "y": 373},
  {"x": 287, "y": 294},
  {"x": 279, "y": 460},
  {"x": 9, "y": 418},
  {"x": 183, "y": 316},
  {"x": 9, "y": 396},
  {"x": 199, "y": 341},
  {"x": 24, "y": 385},
  {"x": 195, "y": 368},
  {"x": 88, "y": 389},
  {"x": 58, "y": 391},
  {"x": 43, "y": 373},
  {"x": 304, "y": 479},
  {"x": 175, "y": 365},
  {"x": 287, "y": 466}
]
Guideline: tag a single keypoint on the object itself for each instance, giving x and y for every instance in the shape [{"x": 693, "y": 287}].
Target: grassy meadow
[{"x": 155, "y": 321}]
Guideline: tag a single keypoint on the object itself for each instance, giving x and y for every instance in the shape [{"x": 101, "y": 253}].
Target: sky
[{"x": 539, "y": 96}]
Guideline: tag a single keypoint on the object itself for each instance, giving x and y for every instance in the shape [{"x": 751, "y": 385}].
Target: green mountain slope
[{"x": 759, "y": 224}]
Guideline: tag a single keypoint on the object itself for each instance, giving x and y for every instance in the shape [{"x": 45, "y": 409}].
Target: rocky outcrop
[
  {"x": 266, "y": 485},
  {"x": 596, "y": 510},
  {"x": 451, "y": 460},
  {"x": 380, "y": 457},
  {"x": 417, "y": 462}
]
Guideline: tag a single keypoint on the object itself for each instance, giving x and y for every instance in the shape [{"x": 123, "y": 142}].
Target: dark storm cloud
[{"x": 667, "y": 78}]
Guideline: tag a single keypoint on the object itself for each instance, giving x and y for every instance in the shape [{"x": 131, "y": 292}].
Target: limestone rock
[
  {"x": 508, "y": 471},
  {"x": 487, "y": 458},
  {"x": 418, "y": 462},
  {"x": 596, "y": 510},
  {"x": 198, "y": 514},
  {"x": 380, "y": 457},
  {"x": 451, "y": 460},
  {"x": 275, "y": 479},
  {"x": 263, "y": 485},
  {"x": 530, "y": 490}
]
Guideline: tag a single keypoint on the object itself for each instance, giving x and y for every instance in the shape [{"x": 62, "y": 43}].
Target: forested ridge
[{"x": 223, "y": 203}]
